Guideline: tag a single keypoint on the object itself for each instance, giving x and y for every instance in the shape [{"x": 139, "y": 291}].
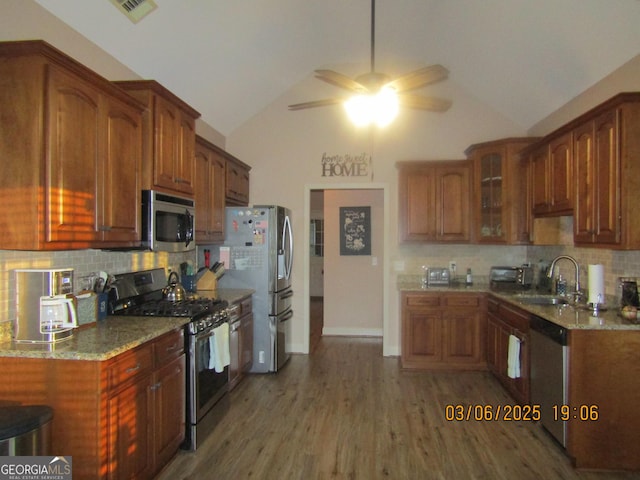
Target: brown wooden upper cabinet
[
  {"x": 71, "y": 149},
  {"x": 589, "y": 168},
  {"x": 209, "y": 192},
  {"x": 237, "y": 182},
  {"x": 434, "y": 201},
  {"x": 552, "y": 176},
  {"x": 500, "y": 203},
  {"x": 169, "y": 138},
  {"x": 607, "y": 148}
]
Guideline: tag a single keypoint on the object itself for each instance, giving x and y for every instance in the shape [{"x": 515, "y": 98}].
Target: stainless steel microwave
[{"x": 168, "y": 222}]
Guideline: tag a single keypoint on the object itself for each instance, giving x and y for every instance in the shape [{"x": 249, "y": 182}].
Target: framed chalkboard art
[{"x": 355, "y": 230}]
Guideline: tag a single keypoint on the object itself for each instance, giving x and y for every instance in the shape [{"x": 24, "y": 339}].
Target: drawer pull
[{"x": 133, "y": 369}]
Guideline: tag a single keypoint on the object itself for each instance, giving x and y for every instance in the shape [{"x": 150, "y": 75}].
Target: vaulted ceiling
[{"x": 230, "y": 59}]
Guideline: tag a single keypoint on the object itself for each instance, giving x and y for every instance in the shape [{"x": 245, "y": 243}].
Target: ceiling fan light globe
[
  {"x": 386, "y": 106},
  {"x": 381, "y": 108},
  {"x": 360, "y": 110}
]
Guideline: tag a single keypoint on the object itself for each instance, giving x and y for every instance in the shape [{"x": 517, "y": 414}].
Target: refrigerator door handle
[{"x": 288, "y": 232}]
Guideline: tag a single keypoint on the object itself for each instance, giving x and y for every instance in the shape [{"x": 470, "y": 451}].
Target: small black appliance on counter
[{"x": 511, "y": 278}]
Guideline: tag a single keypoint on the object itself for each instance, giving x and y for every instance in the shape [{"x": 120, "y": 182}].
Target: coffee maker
[{"x": 46, "y": 311}]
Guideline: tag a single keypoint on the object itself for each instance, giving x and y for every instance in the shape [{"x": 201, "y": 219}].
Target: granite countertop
[
  {"x": 231, "y": 295},
  {"x": 567, "y": 316},
  {"x": 110, "y": 337}
]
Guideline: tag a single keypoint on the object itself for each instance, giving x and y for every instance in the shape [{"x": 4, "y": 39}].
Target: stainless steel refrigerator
[{"x": 258, "y": 254}]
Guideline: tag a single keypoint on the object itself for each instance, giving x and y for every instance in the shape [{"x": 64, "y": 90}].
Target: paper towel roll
[{"x": 596, "y": 284}]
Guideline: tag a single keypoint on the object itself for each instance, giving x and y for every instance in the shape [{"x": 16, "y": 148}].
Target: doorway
[{"x": 346, "y": 293}]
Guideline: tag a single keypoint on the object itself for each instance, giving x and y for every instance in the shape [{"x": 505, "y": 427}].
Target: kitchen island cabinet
[
  {"x": 169, "y": 133},
  {"x": 434, "y": 201},
  {"x": 119, "y": 417},
  {"x": 71, "y": 147},
  {"x": 443, "y": 331}
]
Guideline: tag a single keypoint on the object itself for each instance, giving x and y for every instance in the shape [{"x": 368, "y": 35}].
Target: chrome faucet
[{"x": 577, "y": 292}]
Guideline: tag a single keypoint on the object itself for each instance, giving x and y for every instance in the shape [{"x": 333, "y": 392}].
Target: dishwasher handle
[{"x": 551, "y": 330}]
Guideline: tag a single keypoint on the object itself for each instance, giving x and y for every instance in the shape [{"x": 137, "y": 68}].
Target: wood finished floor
[{"x": 347, "y": 412}]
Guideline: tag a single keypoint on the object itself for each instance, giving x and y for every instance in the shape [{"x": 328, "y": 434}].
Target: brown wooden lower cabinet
[
  {"x": 504, "y": 320},
  {"x": 604, "y": 394},
  {"x": 241, "y": 347},
  {"x": 443, "y": 330},
  {"x": 119, "y": 418}
]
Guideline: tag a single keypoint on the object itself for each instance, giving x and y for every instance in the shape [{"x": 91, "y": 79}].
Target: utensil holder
[{"x": 189, "y": 283}]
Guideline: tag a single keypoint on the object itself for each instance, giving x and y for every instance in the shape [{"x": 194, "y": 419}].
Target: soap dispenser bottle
[
  {"x": 561, "y": 286},
  {"x": 469, "y": 280}
]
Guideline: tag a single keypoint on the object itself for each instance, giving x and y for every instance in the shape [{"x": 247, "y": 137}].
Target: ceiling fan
[{"x": 372, "y": 83}]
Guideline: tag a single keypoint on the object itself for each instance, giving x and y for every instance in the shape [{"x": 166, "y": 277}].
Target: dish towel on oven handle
[
  {"x": 513, "y": 357},
  {"x": 219, "y": 356}
]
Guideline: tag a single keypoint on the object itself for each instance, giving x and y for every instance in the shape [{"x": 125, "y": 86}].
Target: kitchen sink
[{"x": 543, "y": 300}]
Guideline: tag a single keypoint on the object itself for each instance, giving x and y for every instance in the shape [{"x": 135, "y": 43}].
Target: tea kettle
[
  {"x": 174, "y": 291},
  {"x": 57, "y": 313}
]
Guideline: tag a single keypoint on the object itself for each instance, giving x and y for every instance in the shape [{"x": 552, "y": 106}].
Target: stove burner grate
[{"x": 166, "y": 308}]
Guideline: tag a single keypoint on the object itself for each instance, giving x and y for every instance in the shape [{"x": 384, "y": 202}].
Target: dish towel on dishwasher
[
  {"x": 219, "y": 356},
  {"x": 513, "y": 358}
]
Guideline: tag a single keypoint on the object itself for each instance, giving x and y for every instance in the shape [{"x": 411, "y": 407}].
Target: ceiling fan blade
[
  {"x": 340, "y": 80},
  {"x": 419, "y": 78},
  {"x": 424, "y": 103},
  {"x": 316, "y": 103}
]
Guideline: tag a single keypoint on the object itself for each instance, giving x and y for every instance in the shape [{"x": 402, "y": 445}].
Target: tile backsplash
[
  {"x": 480, "y": 258},
  {"x": 83, "y": 262}
]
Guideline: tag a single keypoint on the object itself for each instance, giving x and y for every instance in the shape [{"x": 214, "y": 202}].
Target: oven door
[{"x": 206, "y": 386}]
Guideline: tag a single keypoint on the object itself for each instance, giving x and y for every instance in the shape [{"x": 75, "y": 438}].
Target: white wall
[
  {"x": 353, "y": 287},
  {"x": 624, "y": 79}
]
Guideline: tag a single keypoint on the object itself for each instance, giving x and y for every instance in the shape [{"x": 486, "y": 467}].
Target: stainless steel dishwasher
[{"x": 549, "y": 361}]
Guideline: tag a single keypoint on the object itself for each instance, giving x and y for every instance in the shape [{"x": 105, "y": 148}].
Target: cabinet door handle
[{"x": 104, "y": 228}]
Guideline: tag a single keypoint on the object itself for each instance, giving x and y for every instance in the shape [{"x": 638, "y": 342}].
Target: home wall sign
[
  {"x": 355, "y": 230},
  {"x": 346, "y": 165}
]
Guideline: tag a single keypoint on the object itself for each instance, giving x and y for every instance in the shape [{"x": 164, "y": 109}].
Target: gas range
[{"x": 140, "y": 294}]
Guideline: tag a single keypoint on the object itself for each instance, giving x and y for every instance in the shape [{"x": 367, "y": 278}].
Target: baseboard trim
[{"x": 351, "y": 332}]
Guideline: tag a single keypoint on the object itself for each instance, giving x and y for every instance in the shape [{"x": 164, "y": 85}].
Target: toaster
[{"x": 437, "y": 276}]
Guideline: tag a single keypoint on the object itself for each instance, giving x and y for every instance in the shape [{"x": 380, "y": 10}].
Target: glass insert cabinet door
[{"x": 491, "y": 194}]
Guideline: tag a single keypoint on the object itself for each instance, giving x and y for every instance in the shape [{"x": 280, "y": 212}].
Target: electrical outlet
[{"x": 452, "y": 266}]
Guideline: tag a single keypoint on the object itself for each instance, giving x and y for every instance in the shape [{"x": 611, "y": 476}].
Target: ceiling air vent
[{"x": 135, "y": 10}]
